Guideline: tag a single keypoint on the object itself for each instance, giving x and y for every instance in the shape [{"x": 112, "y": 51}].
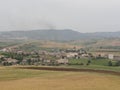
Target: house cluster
[
  {"x": 42, "y": 57},
  {"x": 7, "y": 61},
  {"x": 110, "y": 56},
  {"x": 13, "y": 56}
]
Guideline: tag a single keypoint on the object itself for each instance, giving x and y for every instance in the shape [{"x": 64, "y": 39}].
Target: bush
[
  {"x": 81, "y": 64},
  {"x": 110, "y": 63},
  {"x": 117, "y": 63},
  {"x": 88, "y": 63}
]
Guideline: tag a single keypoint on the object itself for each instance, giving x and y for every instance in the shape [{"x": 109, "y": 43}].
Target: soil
[{"x": 72, "y": 70}]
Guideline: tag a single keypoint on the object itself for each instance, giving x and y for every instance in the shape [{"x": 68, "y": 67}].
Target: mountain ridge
[{"x": 60, "y": 35}]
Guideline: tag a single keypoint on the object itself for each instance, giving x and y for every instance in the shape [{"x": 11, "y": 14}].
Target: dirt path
[{"x": 72, "y": 69}]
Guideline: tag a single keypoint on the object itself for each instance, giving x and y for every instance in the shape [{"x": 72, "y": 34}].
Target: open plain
[{"x": 22, "y": 79}]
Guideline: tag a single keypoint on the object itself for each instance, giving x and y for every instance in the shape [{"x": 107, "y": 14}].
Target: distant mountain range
[{"x": 61, "y": 35}]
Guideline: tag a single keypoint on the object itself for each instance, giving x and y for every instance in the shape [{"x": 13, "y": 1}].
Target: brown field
[
  {"x": 50, "y": 44},
  {"x": 53, "y": 80},
  {"x": 72, "y": 70}
]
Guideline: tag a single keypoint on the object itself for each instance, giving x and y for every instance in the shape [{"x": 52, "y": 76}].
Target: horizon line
[{"x": 59, "y": 30}]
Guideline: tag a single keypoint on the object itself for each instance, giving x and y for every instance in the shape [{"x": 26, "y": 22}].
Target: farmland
[
  {"x": 8, "y": 43},
  {"x": 85, "y": 71},
  {"x": 100, "y": 64},
  {"x": 22, "y": 79}
]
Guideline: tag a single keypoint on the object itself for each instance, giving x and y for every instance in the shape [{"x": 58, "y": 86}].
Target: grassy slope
[
  {"x": 10, "y": 73},
  {"x": 7, "y": 44},
  {"x": 12, "y": 79},
  {"x": 101, "y": 64}
]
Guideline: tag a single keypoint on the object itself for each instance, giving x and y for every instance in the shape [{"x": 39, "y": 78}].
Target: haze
[{"x": 80, "y": 15}]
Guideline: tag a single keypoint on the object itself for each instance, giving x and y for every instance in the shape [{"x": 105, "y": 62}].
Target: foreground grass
[
  {"x": 18, "y": 79},
  {"x": 10, "y": 73}
]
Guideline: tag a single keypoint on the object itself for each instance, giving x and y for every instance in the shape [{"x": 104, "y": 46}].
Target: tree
[
  {"x": 117, "y": 63},
  {"x": 88, "y": 63},
  {"x": 110, "y": 63},
  {"x": 29, "y": 61},
  {"x": 5, "y": 63}
]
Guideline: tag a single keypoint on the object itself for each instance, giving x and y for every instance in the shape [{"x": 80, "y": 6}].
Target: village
[{"x": 13, "y": 56}]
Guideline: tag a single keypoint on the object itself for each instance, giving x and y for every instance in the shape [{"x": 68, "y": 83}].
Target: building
[
  {"x": 71, "y": 55},
  {"x": 111, "y": 56},
  {"x": 62, "y": 61},
  {"x": 114, "y": 57},
  {"x": 117, "y": 58}
]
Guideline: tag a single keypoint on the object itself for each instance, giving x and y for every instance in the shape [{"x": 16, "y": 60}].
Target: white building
[
  {"x": 111, "y": 56},
  {"x": 62, "y": 61},
  {"x": 70, "y": 55}
]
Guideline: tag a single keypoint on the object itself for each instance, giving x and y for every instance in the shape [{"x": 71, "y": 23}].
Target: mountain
[{"x": 61, "y": 35}]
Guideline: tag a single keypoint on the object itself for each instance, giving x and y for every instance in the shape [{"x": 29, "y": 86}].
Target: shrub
[
  {"x": 110, "y": 63},
  {"x": 117, "y": 63}
]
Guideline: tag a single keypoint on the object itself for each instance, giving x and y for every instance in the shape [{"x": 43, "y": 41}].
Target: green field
[
  {"x": 7, "y": 44},
  {"x": 100, "y": 64}
]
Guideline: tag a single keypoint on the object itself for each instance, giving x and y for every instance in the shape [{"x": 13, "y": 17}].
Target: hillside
[
  {"x": 63, "y": 35},
  {"x": 57, "y": 35}
]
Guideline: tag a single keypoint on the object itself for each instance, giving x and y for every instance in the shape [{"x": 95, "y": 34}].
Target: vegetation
[
  {"x": 51, "y": 46},
  {"x": 4, "y": 44},
  {"x": 100, "y": 64},
  {"x": 110, "y": 63},
  {"x": 103, "y": 62}
]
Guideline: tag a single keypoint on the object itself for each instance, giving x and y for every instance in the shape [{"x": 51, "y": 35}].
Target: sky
[{"x": 79, "y": 15}]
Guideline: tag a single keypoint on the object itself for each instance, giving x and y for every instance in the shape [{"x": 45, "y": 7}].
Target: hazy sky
[{"x": 80, "y": 15}]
